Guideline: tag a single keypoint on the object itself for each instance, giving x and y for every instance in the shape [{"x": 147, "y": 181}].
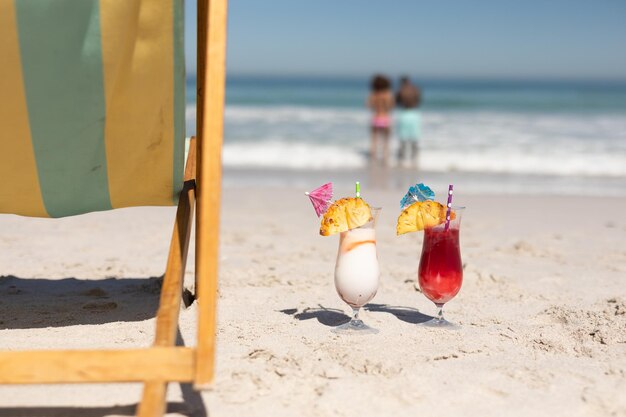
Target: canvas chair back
[{"x": 92, "y": 105}]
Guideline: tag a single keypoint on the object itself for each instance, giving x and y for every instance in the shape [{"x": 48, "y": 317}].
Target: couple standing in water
[{"x": 381, "y": 102}]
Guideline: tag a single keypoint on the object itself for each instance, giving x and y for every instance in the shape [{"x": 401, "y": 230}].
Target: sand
[{"x": 542, "y": 311}]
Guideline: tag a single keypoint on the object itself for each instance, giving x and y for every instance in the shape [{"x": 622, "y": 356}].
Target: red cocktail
[{"x": 440, "y": 271}]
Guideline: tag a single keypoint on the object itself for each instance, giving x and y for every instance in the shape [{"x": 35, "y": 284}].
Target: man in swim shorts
[{"x": 409, "y": 122}]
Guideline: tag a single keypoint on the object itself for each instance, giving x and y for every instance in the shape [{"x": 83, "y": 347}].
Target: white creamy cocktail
[{"x": 357, "y": 272}]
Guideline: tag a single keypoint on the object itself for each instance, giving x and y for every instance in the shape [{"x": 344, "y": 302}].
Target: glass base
[
  {"x": 440, "y": 324},
  {"x": 354, "y": 327}
]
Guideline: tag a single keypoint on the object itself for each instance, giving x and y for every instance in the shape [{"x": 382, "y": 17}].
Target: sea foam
[{"x": 318, "y": 138}]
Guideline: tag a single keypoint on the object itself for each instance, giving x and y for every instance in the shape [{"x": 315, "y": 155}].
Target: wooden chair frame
[{"x": 165, "y": 362}]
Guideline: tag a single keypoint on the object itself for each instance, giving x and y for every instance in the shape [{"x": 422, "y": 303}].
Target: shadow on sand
[
  {"x": 327, "y": 316},
  {"x": 39, "y": 302},
  {"x": 407, "y": 314},
  {"x": 121, "y": 410}
]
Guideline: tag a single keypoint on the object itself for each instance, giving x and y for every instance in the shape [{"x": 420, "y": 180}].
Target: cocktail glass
[
  {"x": 440, "y": 272},
  {"x": 357, "y": 272}
]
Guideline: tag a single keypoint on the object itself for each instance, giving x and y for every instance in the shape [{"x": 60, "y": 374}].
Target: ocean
[{"x": 495, "y": 136}]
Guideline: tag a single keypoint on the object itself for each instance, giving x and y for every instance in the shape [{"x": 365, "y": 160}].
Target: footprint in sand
[
  {"x": 98, "y": 307},
  {"x": 522, "y": 246},
  {"x": 13, "y": 290},
  {"x": 95, "y": 292}
]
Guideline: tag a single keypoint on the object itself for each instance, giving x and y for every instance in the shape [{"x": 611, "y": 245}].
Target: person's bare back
[{"x": 381, "y": 103}]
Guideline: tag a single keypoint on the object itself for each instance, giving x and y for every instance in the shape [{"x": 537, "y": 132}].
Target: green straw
[{"x": 358, "y": 189}]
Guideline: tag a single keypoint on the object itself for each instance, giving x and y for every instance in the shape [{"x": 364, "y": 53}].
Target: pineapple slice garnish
[
  {"x": 345, "y": 214},
  {"x": 421, "y": 215}
]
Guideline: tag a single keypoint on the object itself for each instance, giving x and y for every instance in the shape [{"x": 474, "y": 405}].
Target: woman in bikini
[{"x": 380, "y": 102}]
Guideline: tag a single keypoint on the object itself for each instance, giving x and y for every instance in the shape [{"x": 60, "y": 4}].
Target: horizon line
[{"x": 427, "y": 77}]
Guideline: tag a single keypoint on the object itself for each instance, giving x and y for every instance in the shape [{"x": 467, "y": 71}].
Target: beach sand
[{"x": 542, "y": 311}]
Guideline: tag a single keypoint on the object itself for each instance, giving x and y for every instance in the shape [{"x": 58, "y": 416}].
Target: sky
[{"x": 529, "y": 39}]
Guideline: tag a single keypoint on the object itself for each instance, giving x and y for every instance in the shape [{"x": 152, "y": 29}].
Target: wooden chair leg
[
  {"x": 153, "y": 401},
  {"x": 190, "y": 174},
  {"x": 154, "y": 392},
  {"x": 210, "y": 99}
]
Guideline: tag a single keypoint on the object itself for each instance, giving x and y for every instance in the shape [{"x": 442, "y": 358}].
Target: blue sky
[{"x": 563, "y": 39}]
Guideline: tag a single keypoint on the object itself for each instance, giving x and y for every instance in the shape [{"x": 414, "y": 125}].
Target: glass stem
[
  {"x": 355, "y": 313},
  {"x": 440, "y": 312}
]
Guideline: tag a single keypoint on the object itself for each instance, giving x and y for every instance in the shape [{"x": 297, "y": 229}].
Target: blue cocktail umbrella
[{"x": 417, "y": 192}]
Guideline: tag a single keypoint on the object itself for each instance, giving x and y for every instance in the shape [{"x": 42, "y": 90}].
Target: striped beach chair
[{"x": 92, "y": 114}]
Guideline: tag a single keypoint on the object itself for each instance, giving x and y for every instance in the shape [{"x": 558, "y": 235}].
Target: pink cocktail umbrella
[{"x": 320, "y": 198}]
